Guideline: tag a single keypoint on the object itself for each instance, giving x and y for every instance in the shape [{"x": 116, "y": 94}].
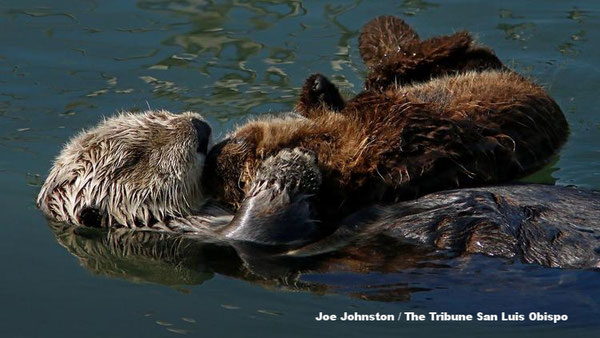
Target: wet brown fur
[
  {"x": 400, "y": 141},
  {"x": 395, "y": 54}
]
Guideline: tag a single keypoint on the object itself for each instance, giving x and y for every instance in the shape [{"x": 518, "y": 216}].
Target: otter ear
[
  {"x": 385, "y": 36},
  {"x": 90, "y": 217},
  {"x": 319, "y": 94}
]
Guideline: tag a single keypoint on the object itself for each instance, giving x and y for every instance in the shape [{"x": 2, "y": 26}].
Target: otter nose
[{"x": 203, "y": 135}]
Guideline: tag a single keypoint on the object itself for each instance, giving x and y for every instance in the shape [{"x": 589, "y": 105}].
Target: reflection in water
[
  {"x": 374, "y": 270},
  {"x": 250, "y": 70},
  {"x": 346, "y": 36},
  {"x": 41, "y": 13},
  {"x": 570, "y": 47},
  {"x": 138, "y": 257},
  {"x": 544, "y": 175},
  {"x": 524, "y": 31},
  {"x": 173, "y": 259},
  {"x": 578, "y": 15},
  {"x": 508, "y": 14}
]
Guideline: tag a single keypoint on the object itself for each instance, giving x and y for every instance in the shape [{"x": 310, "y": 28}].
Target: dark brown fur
[
  {"x": 395, "y": 54},
  {"x": 318, "y": 95},
  {"x": 402, "y": 141}
]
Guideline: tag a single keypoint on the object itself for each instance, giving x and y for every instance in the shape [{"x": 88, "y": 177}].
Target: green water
[{"x": 66, "y": 64}]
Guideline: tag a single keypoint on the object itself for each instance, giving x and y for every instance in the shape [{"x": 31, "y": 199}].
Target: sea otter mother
[
  {"x": 277, "y": 204},
  {"x": 97, "y": 182}
]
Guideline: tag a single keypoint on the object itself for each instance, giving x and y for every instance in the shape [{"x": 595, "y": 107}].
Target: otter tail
[{"x": 395, "y": 54}]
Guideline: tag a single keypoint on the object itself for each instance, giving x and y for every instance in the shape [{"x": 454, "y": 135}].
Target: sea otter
[
  {"x": 143, "y": 171},
  {"x": 282, "y": 204},
  {"x": 552, "y": 226},
  {"x": 548, "y": 225},
  {"x": 395, "y": 54},
  {"x": 131, "y": 170},
  {"x": 436, "y": 114}
]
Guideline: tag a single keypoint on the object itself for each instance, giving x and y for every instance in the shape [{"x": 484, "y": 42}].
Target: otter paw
[
  {"x": 294, "y": 170},
  {"x": 318, "y": 93},
  {"x": 278, "y": 210}
]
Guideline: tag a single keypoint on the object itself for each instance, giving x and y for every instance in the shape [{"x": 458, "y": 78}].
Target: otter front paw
[
  {"x": 278, "y": 209},
  {"x": 318, "y": 93},
  {"x": 293, "y": 170}
]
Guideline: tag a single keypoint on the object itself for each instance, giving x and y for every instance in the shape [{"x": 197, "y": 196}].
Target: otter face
[
  {"x": 232, "y": 164},
  {"x": 229, "y": 168},
  {"x": 132, "y": 170}
]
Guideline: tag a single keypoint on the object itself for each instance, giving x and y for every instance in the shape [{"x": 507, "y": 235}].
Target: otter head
[
  {"x": 232, "y": 164},
  {"x": 132, "y": 170},
  {"x": 230, "y": 167}
]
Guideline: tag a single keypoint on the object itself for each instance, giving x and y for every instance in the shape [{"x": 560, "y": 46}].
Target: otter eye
[{"x": 90, "y": 217}]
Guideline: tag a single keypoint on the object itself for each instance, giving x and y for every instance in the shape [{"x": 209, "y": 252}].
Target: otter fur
[
  {"x": 463, "y": 128},
  {"x": 132, "y": 170},
  {"x": 553, "y": 226},
  {"x": 546, "y": 225},
  {"x": 471, "y": 124},
  {"x": 395, "y": 55}
]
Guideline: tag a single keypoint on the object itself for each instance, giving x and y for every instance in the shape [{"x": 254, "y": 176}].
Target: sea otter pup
[{"x": 472, "y": 123}]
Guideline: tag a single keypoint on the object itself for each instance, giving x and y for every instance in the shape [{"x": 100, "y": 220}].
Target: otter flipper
[
  {"x": 319, "y": 95},
  {"x": 395, "y": 55}
]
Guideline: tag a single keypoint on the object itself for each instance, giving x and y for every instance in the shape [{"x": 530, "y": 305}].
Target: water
[{"x": 66, "y": 64}]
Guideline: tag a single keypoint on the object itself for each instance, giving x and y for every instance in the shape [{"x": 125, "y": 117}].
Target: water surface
[{"x": 66, "y": 64}]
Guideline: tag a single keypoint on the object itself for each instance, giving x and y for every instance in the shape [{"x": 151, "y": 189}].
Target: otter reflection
[
  {"x": 514, "y": 222},
  {"x": 173, "y": 259}
]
